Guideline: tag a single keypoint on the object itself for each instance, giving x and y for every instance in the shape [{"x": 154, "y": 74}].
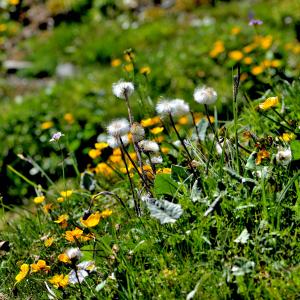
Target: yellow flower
[
  {"x": 262, "y": 154},
  {"x": 183, "y": 120},
  {"x": 257, "y": 70},
  {"x": 235, "y": 30},
  {"x": 106, "y": 213},
  {"x": 24, "y": 269},
  {"x": 165, "y": 150},
  {"x": 164, "y": 171},
  {"x": 94, "y": 153},
  {"x": 104, "y": 169},
  {"x": 159, "y": 139},
  {"x": 128, "y": 67},
  {"x": 47, "y": 208},
  {"x": 157, "y": 130},
  {"x": 275, "y": 63},
  {"x": 39, "y": 199},
  {"x": 249, "y": 48},
  {"x": 115, "y": 158},
  {"x": 64, "y": 258},
  {"x": 68, "y": 117},
  {"x": 218, "y": 49},
  {"x": 101, "y": 145},
  {"x": 66, "y": 194},
  {"x": 247, "y": 60},
  {"x": 92, "y": 220},
  {"x": 115, "y": 62},
  {"x": 14, "y": 2},
  {"x": 287, "y": 137},
  {"x": 47, "y": 125},
  {"x": 39, "y": 266},
  {"x": 60, "y": 199},
  {"x": 71, "y": 235},
  {"x": 129, "y": 57},
  {"x": 3, "y": 27},
  {"x": 62, "y": 219},
  {"x": 48, "y": 242},
  {"x": 269, "y": 103},
  {"x": 117, "y": 151},
  {"x": 145, "y": 70},
  {"x": 266, "y": 63},
  {"x": 236, "y": 55},
  {"x": 150, "y": 121},
  {"x": 266, "y": 42},
  {"x": 59, "y": 280}
]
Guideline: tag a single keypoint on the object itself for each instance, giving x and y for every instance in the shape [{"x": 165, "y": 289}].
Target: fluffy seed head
[
  {"x": 284, "y": 157},
  {"x": 115, "y": 142},
  {"x": 205, "y": 95},
  {"x": 148, "y": 146},
  {"x": 118, "y": 127},
  {"x": 123, "y": 89},
  {"x": 155, "y": 160},
  {"x": 137, "y": 131},
  {"x": 176, "y": 107},
  {"x": 73, "y": 253}
]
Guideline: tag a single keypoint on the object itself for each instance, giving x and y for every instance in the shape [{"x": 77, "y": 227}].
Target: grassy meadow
[{"x": 114, "y": 187}]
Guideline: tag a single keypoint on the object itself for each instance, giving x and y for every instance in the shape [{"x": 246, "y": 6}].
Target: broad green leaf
[
  {"x": 295, "y": 147},
  {"x": 165, "y": 185}
]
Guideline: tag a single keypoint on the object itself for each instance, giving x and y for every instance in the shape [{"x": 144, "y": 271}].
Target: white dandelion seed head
[
  {"x": 115, "y": 142},
  {"x": 73, "y": 253},
  {"x": 179, "y": 107},
  {"x": 118, "y": 127},
  {"x": 205, "y": 95},
  {"x": 148, "y": 146},
  {"x": 155, "y": 160},
  {"x": 284, "y": 157},
  {"x": 137, "y": 131},
  {"x": 122, "y": 89},
  {"x": 175, "y": 108}
]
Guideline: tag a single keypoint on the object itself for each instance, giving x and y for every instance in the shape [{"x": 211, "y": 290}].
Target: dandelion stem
[
  {"x": 136, "y": 206},
  {"x": 236, "y": 83},
  {"x": 196, "y": 127},
  {"x": 180, "y": 138},
  {"x": 280, "y": 116}
]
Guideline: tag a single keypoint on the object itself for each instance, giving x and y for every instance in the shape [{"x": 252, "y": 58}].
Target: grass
[{"x": 222, "y": 226}]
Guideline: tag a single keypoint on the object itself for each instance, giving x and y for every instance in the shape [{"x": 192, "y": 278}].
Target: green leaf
[
  {"x": 165, "y": 185},
  {"x": 87, "y": 252},
  {"x": 179, "y": 173},
  {"x": 295, "y": 147}
]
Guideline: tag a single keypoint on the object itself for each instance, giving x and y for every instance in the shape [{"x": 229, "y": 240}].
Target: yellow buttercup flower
[
  {"x": 94, "y": 153},
  {"x": 157, "y": 130},
  {"x": 150, "y": 121},
  {"x": 101, "y": 145},
  {"x": 165, "y": 150},
  {"x": 145, "y": 70},
  {"x": 164, "y": 171},
  {"x": 62, "y": 219},
  {"x": 218, "y": 49},
  {"x": 92, "y": 220},
  {"x": 47, "y": 208},
  {"x": 235, "y": 30},
  {"x": 68, "y": 117},
  {"x": 64, "y": 258},
  {"x": 66, "y": 194},
  {"x": 24, "y": 269},
  {"x": 59, "y": 280},
  {"x": 60, "y": 199},
  {"x": 14, "y": 2},
  {"x": 257, "y": 70},
  {"x": 262, "y": 154},
  {"x": 71, "y": 235},
  {"x": 47, "y": 125},
  {"x": 236, "y": 55},
  {"x": 104, "y": 169},
  {"x": 39, "y": 199},
  {"x": 128, "y": 67},
  {"x": 269, "y": 103},
  {"x": 287, "y": 137},
  {"x": 115, "y": 62},
  {"x": 247, "y": 60},
  {"x": 48, "y": 242},
  {"x": 39, "y": 266},
  {"x": 106, "y": 213},
  {"x": 183, "y": 120}
]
